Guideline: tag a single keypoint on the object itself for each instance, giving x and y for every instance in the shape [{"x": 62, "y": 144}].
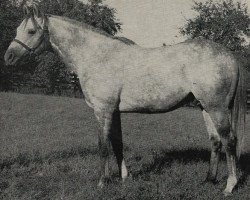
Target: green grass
[{"x": 48, "y": 150}]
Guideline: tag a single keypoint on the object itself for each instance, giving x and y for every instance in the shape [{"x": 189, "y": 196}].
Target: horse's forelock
[{"x": 33, "y": 22}]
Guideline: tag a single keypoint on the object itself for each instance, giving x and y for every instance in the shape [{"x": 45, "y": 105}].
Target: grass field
[{"x": 48, "y": 150}]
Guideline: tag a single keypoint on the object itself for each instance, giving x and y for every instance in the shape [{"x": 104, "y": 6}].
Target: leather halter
[{"x": 44, "y": 38}]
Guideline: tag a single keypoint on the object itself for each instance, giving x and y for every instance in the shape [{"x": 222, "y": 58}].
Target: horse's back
[{"x": 160, "y": 78}]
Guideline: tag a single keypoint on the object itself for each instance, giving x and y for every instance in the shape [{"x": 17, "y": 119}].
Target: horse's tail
[{"x": 239, "y": 110}]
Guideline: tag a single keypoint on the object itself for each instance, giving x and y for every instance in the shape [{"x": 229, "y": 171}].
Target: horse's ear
[
  {"x": 26, "y": 10},
  {"x": 36, "y": 11}
]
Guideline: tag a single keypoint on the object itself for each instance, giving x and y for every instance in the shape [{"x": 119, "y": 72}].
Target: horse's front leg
[
  {"x": 105, "y": 121},
  {"x": 117, "y": 144},
  {"x": 110, "y": 133}
]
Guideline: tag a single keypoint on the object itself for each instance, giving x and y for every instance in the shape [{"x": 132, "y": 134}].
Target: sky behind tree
[{"x": 150, "y": 23}]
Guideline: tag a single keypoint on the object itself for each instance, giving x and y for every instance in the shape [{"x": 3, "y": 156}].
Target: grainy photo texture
[{"x": 122, "y": 99}]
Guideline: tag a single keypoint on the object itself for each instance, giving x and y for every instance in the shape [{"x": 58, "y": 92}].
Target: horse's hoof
[
  {"x": 212, "y": 180},
  {"x": 101, "y": 185},
  {"x": 103, "y": 182},
  {"x": 227, "y": 194},
  {"x": 127, "y": 177}
]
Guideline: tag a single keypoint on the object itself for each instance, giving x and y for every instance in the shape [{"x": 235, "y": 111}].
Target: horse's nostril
[{"x": 11, "y": 56}]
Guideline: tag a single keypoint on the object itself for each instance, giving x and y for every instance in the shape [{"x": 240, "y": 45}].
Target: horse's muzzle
[{"x": 10, "y": 57}]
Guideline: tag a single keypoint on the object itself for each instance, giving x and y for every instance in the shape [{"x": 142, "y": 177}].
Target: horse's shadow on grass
[{"x": 165, "y": 159}]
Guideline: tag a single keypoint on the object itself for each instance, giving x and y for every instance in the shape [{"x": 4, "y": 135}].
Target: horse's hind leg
[
  {"x": 215, "y": 147},
  {"x": 223, "y": 126}
]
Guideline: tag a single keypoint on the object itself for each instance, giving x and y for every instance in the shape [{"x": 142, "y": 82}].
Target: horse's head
[{"x": 31, "y": 37}]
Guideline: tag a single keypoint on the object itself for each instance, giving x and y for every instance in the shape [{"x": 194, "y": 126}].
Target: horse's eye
[{"x": 31, "y": 32}]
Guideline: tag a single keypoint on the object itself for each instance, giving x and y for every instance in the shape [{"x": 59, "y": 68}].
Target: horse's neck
[{"x": 78, "y": 47}]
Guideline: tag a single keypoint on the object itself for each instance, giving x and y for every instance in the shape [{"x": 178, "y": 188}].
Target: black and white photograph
[{"x": 124, "y": 99}]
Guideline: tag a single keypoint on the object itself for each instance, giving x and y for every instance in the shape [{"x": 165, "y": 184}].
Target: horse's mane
[
  {"x": 80, "y": 24},
  {"x": 94, "y": 29},
  {"x": 36, "y": 11}
]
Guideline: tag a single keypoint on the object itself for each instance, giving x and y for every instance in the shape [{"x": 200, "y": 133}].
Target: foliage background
[{"x": 220, "y": 22}]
